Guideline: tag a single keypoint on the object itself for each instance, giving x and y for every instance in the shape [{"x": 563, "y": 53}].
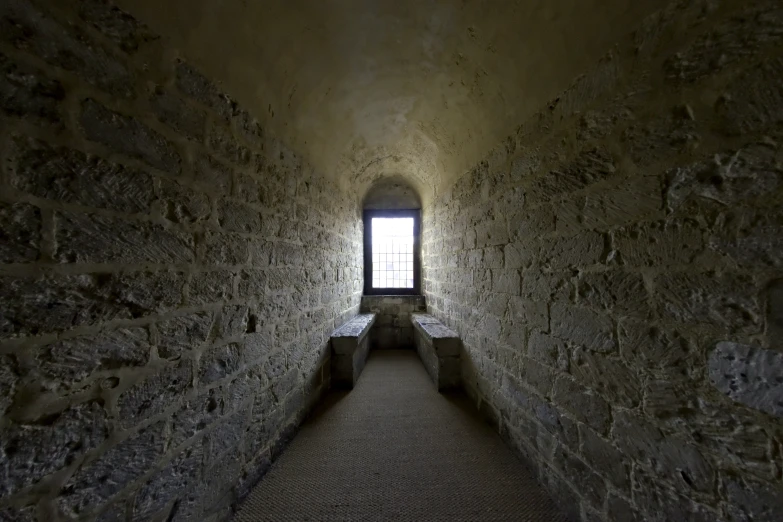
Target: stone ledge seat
[
  {"x": 439, "y": 349},
  {"x": 350, "y": 345}
]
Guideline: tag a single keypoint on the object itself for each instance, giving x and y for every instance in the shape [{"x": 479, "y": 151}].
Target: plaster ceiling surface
[{"x": 365, "y": 89}]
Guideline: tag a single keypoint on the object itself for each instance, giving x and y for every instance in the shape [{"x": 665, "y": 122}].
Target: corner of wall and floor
[
  {"x": 614, "y": 268},
  {"x": 171, "y": 274}
]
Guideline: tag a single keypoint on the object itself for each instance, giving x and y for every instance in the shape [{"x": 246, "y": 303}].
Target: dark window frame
[{"x": 367, "y": 219}]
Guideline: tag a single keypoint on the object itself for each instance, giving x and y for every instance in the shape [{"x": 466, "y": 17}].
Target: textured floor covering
[{"x": 395, "y": 449}]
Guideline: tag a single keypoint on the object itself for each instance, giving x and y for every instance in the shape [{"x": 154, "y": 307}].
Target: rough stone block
[
  {"x": 751, "y": 239},
  {"x": 195, "y": 414},
  {"x": 210, "y": 287},
  {"x": 179, "y": 335},
  {"x": 30, "y": 452},
  {"x": 548, "y": 350},
  {"x": 224, "y": 145},
  {"x": 582, "y": 327},
  {"x": 94, "y": 238},
  {"x": 232, "y": 322},
  {"x": 252, "y": 283},
  {"x": 121, "y": 28},
  {"x": 730, "y": 179},
  {"x": 604, "y": 458},
  {"x": 129, "y": 136},
  {"x": 27, "y": 93},
  {"x": 754, "y": 101},
  {"x": 730, "y": 42},
  {"x": 154, "y": 394},
  {"x": 669, "y": 456},
  {"x": 581, "y": 250},
  {"x": 754, "y": 501},
  {"x": 237, "y": 217},
  {"x": 249, "y": 129},
  {"x": 71, "y": 176},
  {"x": 20, "y": 232},
  {"x": 659, "y": 243},
  {"x": 75, "y": 359},
  {"x": 591, "y": 487},
  {"x": 727, "y": 301},
  {"x": 585, "y": 406},
  {"x": 212, "y": 174},
  {"x": 588, "y": 167},
  {"x": 178, "y": 115},
  {"x": 97, "y": 481},
  {"x": 632, "y": 199},
  {"x": 169, "y": 484},
  {"x": 225, "y": 249},
  {"x": 63, "y": 46},
  {"x": 749, "y": 375},
  {"x": 219, "y": 362},
  {"x": 35, "y": 305},
  {"x": 198, "y": 87},
  {"x": 617, "y": 293},
  {"x": 181, "y": 204}
]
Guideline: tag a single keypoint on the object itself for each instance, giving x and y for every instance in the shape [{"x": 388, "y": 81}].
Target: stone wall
[
  {"x": 171, "y": 273},
  {"x": 614, "y": 269},
  {"x": 393, "y": 328}
]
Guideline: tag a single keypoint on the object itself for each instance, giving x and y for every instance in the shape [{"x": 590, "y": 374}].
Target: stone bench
[
  {"x": 439, "y": 349},
  {"x": 350, "y": 344}
]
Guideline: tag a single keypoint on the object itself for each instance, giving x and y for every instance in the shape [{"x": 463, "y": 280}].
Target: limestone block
[{"x": 748, "y": 374}]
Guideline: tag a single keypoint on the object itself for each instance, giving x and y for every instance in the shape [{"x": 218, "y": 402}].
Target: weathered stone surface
[
  {"x": 604, "y": 458},
  {"x": 591, "y": 486},
  {"x": 144, "y": 292},
  {"x": 99, "y": 480},
  {"x": 652, "y": 348},
  {"x": 249, "y": 129},
  {"x": 34, "y": 305},
  {"x": 633, "y": 198},
  {"x": 754, "y": 502},
  {"x": 20, "y": 232},
  {"x": 196, "y": 414},
  {"x": 226, "y": 249},
  {"x": 210, "y": 287},
  {"x": 774, "y": 294},
  {"x": 662, "y": 138},
  {"x": 726, "y": 300},
  {"x": 30, "y": 452},
  {"x": 67, "y": 47},
  {"x": 751, "y": 239},
  {"x": 219, "y": 362},
  {"x": 236, "y": 217},
  {"x": 223, "y": 144},
  {"x": 183, "y": 205},
  {"x": 129, "y": 136},
  {"x": 124, "y": 30},
  {"x": 198, "y": 87},
  {"x": 182, "y": 334},
  {"x": 27, "y": 92},
  {"x": 619, "y": 293},
  {"x": 608, "y": 375},
  {"x": 177, "y": 114},
  {"x": 679, "y": 461},
  {"x": 728, "y": 43},
  {"x": 582, "y": 327},
  {"x": 578, "y": 251},
  {"x": 232, "y": 321},
  {"x": 94, "y": 238},
  {"x": 582, "y": 404},
  {"x": 154, "y": 394},
  {"x": 212, "y": 174},
  {"x": 71, "y": 176},
  {"x": 588, "y": 167},
  {"x": 252, "y": 283},
  {"x": 73, "y": 360},
  {"x": 729, "y": 179},
  {"x": 659, "y": 243},
  {"x": 748, "y": 374},
  {"x": 169, "y": 483},
  {"x": 225, "y": 440}
]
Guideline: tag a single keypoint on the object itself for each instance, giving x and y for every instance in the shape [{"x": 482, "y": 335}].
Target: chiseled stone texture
[
  {"x": 171, "y": 274},
  {"x": 392, "y": 328},
  {"x": 439, "y": 350},
  {"x": 614, "y": 269}
]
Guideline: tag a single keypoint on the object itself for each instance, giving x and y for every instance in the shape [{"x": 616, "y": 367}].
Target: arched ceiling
[{"x": 370, "y": 88}]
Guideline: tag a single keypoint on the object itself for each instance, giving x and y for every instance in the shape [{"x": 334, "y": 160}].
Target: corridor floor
[{"x": 395, "y": 449}]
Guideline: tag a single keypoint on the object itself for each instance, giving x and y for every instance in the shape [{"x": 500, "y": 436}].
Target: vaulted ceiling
[{"x": 370, "y": 88}]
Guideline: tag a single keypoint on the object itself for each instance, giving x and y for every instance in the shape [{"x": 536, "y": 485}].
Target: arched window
[{"x": 392, "y": 225}]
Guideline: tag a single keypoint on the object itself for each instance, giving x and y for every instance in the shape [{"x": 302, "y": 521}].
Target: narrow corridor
[{"x": 395, "y": 449}]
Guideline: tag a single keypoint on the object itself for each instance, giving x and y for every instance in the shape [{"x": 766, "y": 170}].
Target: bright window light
[{"x": 392, "y": 252}]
